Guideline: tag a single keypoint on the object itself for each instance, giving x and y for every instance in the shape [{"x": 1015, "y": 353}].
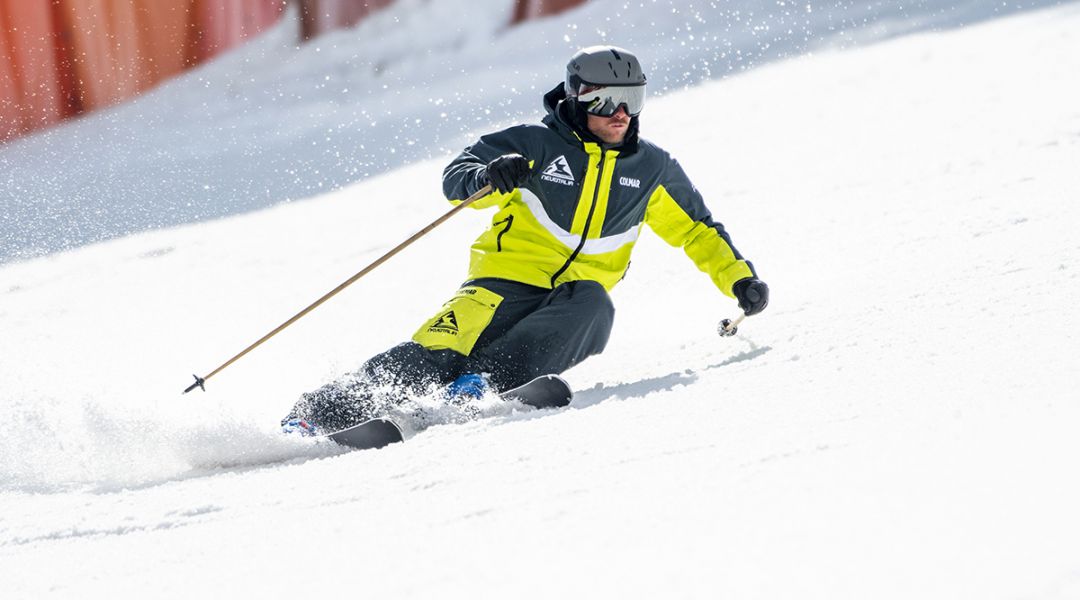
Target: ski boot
[
  {"x": 299, "y": 427},
  {"x": 469, "y": 386}
]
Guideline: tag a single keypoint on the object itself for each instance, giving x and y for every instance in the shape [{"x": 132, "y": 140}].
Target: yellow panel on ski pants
[{"x": 460, "y": 321}]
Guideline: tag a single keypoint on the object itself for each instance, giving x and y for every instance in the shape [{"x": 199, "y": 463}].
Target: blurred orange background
[{"x": 61, "y": 58}]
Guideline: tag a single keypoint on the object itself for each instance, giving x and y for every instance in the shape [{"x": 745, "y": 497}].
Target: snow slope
[
  {"x": 901, "y": 422},
  {"x": 272, "y": 122}
]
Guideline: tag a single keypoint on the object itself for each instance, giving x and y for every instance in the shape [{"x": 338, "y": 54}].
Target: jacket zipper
[
  {"x": 588, "y": 220},
  {"x": 509, "y": 220}
]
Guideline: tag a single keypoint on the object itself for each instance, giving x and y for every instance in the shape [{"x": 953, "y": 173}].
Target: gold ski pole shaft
[{"x": 484, "y": 191}]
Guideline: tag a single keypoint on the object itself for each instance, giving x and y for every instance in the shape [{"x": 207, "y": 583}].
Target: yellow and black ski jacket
[{"x": 578, "y": 215}]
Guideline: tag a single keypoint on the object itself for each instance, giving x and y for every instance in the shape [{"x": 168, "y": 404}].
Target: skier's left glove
[
  {"x": 752, "y": 294},
  {"x": 507, "y": 172}
]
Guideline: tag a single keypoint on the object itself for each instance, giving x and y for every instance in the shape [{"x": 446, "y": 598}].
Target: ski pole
[
  {"x": 484, "y": 191},
  {"x": 729, "y": 327}
]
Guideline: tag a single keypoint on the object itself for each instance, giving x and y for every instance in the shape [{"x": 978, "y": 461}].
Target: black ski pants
[{"x": 533, "y": 331}]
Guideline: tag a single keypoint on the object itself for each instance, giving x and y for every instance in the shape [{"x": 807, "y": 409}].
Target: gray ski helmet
[{"x": 606, "y": 67}]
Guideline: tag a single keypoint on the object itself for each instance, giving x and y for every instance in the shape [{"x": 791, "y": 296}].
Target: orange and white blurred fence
[{"x": 61, "y": 58}]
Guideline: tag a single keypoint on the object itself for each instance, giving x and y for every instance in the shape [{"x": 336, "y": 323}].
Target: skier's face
[{"x": 612, "y": 130}]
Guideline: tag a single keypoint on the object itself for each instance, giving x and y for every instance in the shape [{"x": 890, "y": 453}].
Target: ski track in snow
[{"x": 900, "y": 423}]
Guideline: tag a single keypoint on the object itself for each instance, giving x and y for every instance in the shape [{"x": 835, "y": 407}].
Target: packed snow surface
[
  {"x": 273, "y": 122},
  {"x": 900, "y": 423}
]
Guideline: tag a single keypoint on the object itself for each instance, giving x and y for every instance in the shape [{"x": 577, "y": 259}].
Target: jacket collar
[{"x": 570, "y": 123}]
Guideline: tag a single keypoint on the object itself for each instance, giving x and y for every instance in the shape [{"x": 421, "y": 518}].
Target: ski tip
[
  {"x": 369, "y": 435},
  {"x": 545, "y": 391}
]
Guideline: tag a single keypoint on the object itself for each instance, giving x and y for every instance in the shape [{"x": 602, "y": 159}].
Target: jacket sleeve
[
  {"x": 677, "y": 213},
  {"x": 464, "y": 176}
]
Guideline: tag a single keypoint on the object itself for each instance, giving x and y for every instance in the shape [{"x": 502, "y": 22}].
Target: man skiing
[{"x": 571, "y": 196}]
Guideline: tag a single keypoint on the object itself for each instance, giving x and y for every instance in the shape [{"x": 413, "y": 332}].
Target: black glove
[
  {"x": 507, "y": 172},
  {"x": 752, "y": 294}
]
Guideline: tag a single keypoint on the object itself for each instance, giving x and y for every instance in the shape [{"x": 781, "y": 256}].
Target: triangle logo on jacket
[{"x": 559, "y": 171}]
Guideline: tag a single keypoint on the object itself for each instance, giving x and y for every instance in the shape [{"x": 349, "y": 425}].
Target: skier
[{"x": 571, "y": 196}]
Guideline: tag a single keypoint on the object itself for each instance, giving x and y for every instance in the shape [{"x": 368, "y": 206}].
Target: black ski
[
  {"x": 375, "y": 433},
  {"x": 546, "y": 391}
]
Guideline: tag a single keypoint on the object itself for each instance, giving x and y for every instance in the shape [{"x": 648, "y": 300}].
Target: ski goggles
[{"x": 604, "y": 101}]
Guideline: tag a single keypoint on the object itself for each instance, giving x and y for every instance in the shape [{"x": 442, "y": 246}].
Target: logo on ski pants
[{"x": 460, "y": 321}]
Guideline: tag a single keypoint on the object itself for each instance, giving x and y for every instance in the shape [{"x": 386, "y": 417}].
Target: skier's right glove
[
  {"x": 752, "y": 294},
  {"x": 507, "y": 173}
]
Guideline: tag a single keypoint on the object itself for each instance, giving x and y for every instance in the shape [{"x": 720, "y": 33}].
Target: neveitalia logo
[
  {"x": 558, "y": 172},
  {"x": 445, "y": 324}
]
